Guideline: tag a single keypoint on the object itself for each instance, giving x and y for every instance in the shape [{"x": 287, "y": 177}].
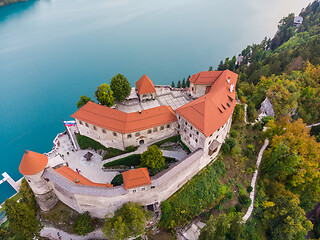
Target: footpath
[{"x": 52, "y": 233}]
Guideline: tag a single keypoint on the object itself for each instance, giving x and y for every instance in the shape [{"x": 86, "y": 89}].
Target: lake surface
[{"x": 52, "y": 52}]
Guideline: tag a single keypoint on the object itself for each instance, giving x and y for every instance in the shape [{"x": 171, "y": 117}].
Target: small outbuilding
[{"x": 145, "y": 88}]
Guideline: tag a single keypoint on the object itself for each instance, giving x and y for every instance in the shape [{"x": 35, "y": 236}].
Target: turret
[{"x": 32, "y": 167}]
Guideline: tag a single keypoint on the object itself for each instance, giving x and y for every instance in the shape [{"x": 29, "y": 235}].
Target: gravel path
[
  {"x": 254, "y": 180},
  {"x": 52, "y": 233}
]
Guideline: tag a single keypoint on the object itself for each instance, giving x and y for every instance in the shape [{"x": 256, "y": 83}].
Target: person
[
  {"x": 58, "y": 234},
  {"x": 77, "y": 170}
]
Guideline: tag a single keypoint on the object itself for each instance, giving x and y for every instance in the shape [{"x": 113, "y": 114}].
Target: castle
[{"x": 201, "y": 115}]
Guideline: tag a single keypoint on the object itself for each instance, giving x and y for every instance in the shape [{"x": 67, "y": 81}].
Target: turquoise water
[{"x": 52, "y": 52}]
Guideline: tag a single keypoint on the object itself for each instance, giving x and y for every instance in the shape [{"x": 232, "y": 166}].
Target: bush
[
  {"x": 117, "y": 180},
  {"x": 233, "y": 133},
  {"x": 170, "y": 139},
  {"x": 231, "y": 142},
  {"x": 83, "y": 225},
  {"x": 236, "y": 151},
  {"x": 112, "y": 152},
  {"x": 249, "y": 189},
  {"x": 132, "y": 160},
  {"x": 244, "y": 200},
  {"x": 130, "y": 149},
  {"x": 225, "y": 148},
  {"x": 229, "y": 195},
  {"x": 238, "y": 207},
  {"x": 258, "y": 126}
]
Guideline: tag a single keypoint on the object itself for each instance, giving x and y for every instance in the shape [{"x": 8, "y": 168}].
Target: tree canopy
[
  {"x": 104, "y": 95},
  {"x": 152, "y": 159},
  {"x": 83, "y": 224},
  {"x": 22, "y": 220},
  {"x": 128, "y": 221},
  {"x": 120, "y": 86},
  {"x": 83, "y": 100}
]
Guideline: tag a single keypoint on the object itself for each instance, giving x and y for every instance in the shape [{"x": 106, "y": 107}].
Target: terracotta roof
[
  {"x": 144, "y": 85},
  {"x": 136, "y": 178},
  {"x": 206, "y": 77},
  {"x": 73, "y": 176},
  {"x": 122, "y": 122},
  {"x": 211, "y": 111},
  {"x": 32, "y": 163}
]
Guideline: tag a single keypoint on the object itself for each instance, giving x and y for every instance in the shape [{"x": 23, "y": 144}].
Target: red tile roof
[
  {"x": 73, "y": 176},
  {"x": 211, "y": 111},
  {"x": 205, "y": 77},
  {"x": 122, "y": 122},
  {"x": 136, "y": 178},
  {"x": 144, "y": 85},
  {"x": 32, "y": 163}
]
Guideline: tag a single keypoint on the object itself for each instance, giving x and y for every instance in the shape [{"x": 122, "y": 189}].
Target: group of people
[{"x": 78, "y": 170}]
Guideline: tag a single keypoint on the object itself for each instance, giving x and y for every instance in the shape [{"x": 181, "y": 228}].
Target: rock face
[
  {"x": 7, "y": 2},
  {"x": 267, "y": 108}
]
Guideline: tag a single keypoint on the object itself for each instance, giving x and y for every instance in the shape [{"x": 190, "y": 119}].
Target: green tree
[
  {"x": 120, "y": 86},
  {"x": 172, "y": 84},
  {"x": 210, "y": 68},
  {"x": 183, "y": 85},
  {"x": 104, "y": 95},
  {"x": 128, "y": 221},
  {"x": 188, "y": 81},
  {"x": 22, "y": 220},
  {"x": 179, "y": 84},
  {"x": 27, "y": 196},
  {"x": 84, "y": 224},
  {"x": 83, "y": 100},
  {"x": 152, "y": 158}
]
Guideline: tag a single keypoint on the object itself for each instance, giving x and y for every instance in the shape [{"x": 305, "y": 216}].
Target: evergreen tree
[
  {"x": 221, "y": 66},
  {"x": 210, "y": 68},
  {"x": 172, "y": 84},
  {"x": 188, "y": 81},
  {"x": 183, "y": 85},
  {"x": 179, "y": 84}
]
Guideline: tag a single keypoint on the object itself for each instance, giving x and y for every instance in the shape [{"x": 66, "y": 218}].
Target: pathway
[
  {"x": 52, "y": 233},
  {"x": 245, "y": 113},
  {"x": 254, "y": 180},
  {"x": 313, "y": 125}
]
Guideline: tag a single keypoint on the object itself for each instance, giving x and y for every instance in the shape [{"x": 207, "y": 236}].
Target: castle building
[{"x": 203, "y": 125}]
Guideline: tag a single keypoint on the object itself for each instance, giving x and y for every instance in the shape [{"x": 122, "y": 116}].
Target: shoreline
[{"x": 9, "y": 2}]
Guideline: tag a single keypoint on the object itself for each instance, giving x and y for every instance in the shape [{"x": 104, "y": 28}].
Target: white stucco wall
[{"x": 198, "y": 90}]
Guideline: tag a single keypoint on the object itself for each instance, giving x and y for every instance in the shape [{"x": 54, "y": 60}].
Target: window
[
  {"x": 155, "y": 129},
  {"x": 104, "y": 131},
  {"x": 209, "y": 142},
  {"x": 190, "y": 135},
  {"x": 185, "y": 130},
  {"x": 162, "y": 127},
  {"x": 134, "y": 191},
  {"x": 149, "y": 131},
  {"x": 196, "y": 140},
  {"x": 114, "y": 134},
  {"x": 81, "y": 122},
  {"x": 152, "y": 186},
  {"x": 197, "y": 132},
  {"x": 217, "y": 136},
  {"x": 87, "y": 125},
  {"x": 168, "y": 126},
  {"x": 179, "y": 117},
  {"x": 143, "y": 189},
  {"x": 94, "y": 127},
  {"x": 211, "y": 135},
  {"x": 191, "y": 127},
  {"x": 137, "y": 134},
  {"x": 129, "y": 136},
  {"x": 179, "y": 126},
  {"x": 186, "y": 123}
]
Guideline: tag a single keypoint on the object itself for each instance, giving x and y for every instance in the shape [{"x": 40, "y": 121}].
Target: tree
[
  {"x": 188, "y": 81},
  {"x": 183, "y": 85},
  {"x": 22, "y": 220},
  {"x": 210, "y": 68},
  {"x": 120, "y": 86},
  {"x": 179, "y": 84},
  {"x": 172, "y": 84},
  {"x": 83, "y": 100},
  {"x": 104, "y": 95},
  {"x": 83, "y": 225},
  {"x": 128, "y": 221},
  {"x": 152, "y": 158}
]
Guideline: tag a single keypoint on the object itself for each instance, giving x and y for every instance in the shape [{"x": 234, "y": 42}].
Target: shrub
[
  {"x": 231, "y": 142},
  {"x": 244, "y": 200},
  {"x": 170, "y": 139},
  {"x": 249, "y": 189},
  {"x": 112, "y": 152},
  {"x": 83, "y": 225},
  {"x": 258, "y": 126},
  {"x": 236, "y": 151},
  {"x": 233, "y": 133},
  {"x": 225, "y": 148},
  {"x": 86, "y": 142},
  {"x": 117, "y": 180},
  {"x": 238, "y": 207},
  {"x": 130, "y": 149},
  {"x": 232, "y": 209},
  {"x": 132, "y": 160},
  {"x": 229, "y": 195}
]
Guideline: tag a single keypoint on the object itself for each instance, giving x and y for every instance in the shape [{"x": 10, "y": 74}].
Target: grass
[{"x": 174, "y": 139}]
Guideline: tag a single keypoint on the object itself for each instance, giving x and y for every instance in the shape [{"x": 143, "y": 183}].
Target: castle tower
[{"x": 32, "y": 167}]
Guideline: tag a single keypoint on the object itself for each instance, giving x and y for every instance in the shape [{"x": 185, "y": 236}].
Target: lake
[{"x": 54, "y": 51}]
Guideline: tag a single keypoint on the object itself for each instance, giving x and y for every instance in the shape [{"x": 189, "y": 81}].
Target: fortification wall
[{"x": 100, "y": 201}]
